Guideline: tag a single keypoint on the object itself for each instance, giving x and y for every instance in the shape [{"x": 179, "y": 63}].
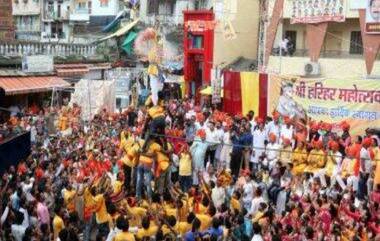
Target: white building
[{"x": 26, "y": 15}]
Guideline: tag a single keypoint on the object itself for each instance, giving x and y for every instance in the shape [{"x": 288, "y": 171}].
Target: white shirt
[
  {"x": 255, "y": 205},
  {"x": 365, "y": 158},
  {"x": 218, "y": 195},
  {"x": 257, "y": 237},
  {"x": 212, "y": 137},
  {"x": 227, "y": 138},
  {"x": 286, "y": 132},
  {"x": 18, "y": 231},
  {"x": 248, "y": 193},
  {"x": 259, "y": 137},
  {"x": 273, "y": 128},
  {"x": 273, "y": 151}
]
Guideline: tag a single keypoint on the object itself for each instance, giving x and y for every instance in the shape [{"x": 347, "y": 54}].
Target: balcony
[
  {"x": 20, "y": 48},
  {"x": 53, "y": 15},
  {"x": 341, "y": 66},
  {"x": 324, "y": 53},
  {"x": 80, "y": 14},
  {"x": 28, "y": 28}
]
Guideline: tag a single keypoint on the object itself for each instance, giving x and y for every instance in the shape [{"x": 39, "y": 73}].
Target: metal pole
[{"x": 280, "y": 59}]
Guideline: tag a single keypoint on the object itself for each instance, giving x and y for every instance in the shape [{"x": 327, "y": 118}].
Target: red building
[
  {"x": 7, "y": 31},
  {"x": 198, "y": 49}
]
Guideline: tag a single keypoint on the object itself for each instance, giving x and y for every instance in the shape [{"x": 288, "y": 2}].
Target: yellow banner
[
  {"x": 328, "y": 100},
  {"x": 249, "y": 82}
]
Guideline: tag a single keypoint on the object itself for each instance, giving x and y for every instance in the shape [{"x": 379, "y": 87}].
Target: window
[
  {"x": 162, "y": 7},
  {"x": 196, "y": 42},
  {"x": 81, "y": 5},
  {"x": 153, "y": 6},
  {"x": 292, "y": 37},
  {"x": 356, "y": 44},
  {"x": 89, "y": 7}
]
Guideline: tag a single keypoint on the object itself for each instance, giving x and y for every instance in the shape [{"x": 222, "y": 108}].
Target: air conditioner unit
[{"x": 312, "y": 69}]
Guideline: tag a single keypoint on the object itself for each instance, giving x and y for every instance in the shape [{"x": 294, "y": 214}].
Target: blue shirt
[
  {"x": 218, "y": 232},
  {"x": 192, "y": 236}
]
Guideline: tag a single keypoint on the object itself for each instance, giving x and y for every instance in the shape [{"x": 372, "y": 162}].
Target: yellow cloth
[
  {"x": 156, "y": 111},
  {"x": 153, "y": 149},
  {"x": 235, "y": 204},
  {"x": 330, "y": 164},
  {"x": 163, "y": 161},
  {"x": 257, "y": 217},
  {"x": 206, "y": 221},
  {"x": 137, "y": 213},
  {"x": 166, "y": 230},
  {"x": 184, "y": 227},
  {"x": 316, "y": 160},
  {"x": 348, "y": 167},
  {"x": 62, "y": 122},
  {"x": 376, "y": 179},
  {"x": 151, "y": 231},
  {"x": 117, "y": 187},
  {"x": 249, "y": 82},
  {"x": 101, "y": 214},
  {"x": 286, "y": 155},
  {"x": 58, "y": 225},
  {"x": 68, "y": 197},
  {"x": 299, "y": 159},
  {"x": 124, "y": 236},
  {"x": 152, "y": 69},
  {"x": 185, "y": 165}
]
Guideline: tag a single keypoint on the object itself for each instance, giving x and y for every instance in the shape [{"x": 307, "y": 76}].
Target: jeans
[
  {"x": 185, "y": 182},
  {"x": 144, "y": 178},
  {"x": 163, "y": 182},
  {"x": 87, "y": 229},
  {"x": 362, "y": 186}
]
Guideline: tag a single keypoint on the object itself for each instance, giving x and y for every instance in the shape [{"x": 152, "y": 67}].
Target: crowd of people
[{"x": 175, "y": 171}]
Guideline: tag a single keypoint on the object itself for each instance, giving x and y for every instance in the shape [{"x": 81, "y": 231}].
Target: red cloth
[{"x": 232, "y": 102}]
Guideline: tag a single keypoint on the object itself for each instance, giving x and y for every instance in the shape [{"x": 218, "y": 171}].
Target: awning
[
  {"x": 127, "y": 45},
  {"x": 121, "y": 31},
  {"x": 24, "y": 85},
  {"x": 71, "y": 70}
]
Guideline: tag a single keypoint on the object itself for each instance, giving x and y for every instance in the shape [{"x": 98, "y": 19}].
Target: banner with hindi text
[
  {"x": 317, "y": 11},
  {"x": 329, "y": 100}
]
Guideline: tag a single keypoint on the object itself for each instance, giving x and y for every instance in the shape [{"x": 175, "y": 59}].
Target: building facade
[
  {"x": 62, "y": 21},
  {"x": 6, "y": 20},
  {"x": 341, "y": 46},
  {"x": 26, "y": 17}
]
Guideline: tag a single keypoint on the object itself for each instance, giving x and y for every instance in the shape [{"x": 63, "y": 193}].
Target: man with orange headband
[{"x": 274, "y": 126}]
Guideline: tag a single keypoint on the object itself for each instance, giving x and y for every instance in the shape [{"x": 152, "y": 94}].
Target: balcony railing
[
  {"x": 28, "y": 28},
  {"x": 20, "y": 48},
  {"x": 53, "y": 15},
  {"x": 324, "y": 53}
]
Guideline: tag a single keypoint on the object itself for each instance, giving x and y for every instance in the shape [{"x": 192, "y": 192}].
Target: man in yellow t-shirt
[
  {"x": 58, "y": 223},
  {"x": 147, "y": 230},
  {"x": 184, "y": 227},
  {"x": 206, "y": 219},
  {"x": 185, "y": 170},
  {"x": 124, "y": 235},
  {"x": 144, "y": 169},
  {"x": 69, "y": 198},
  {"x": 101, "y": 214}
]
